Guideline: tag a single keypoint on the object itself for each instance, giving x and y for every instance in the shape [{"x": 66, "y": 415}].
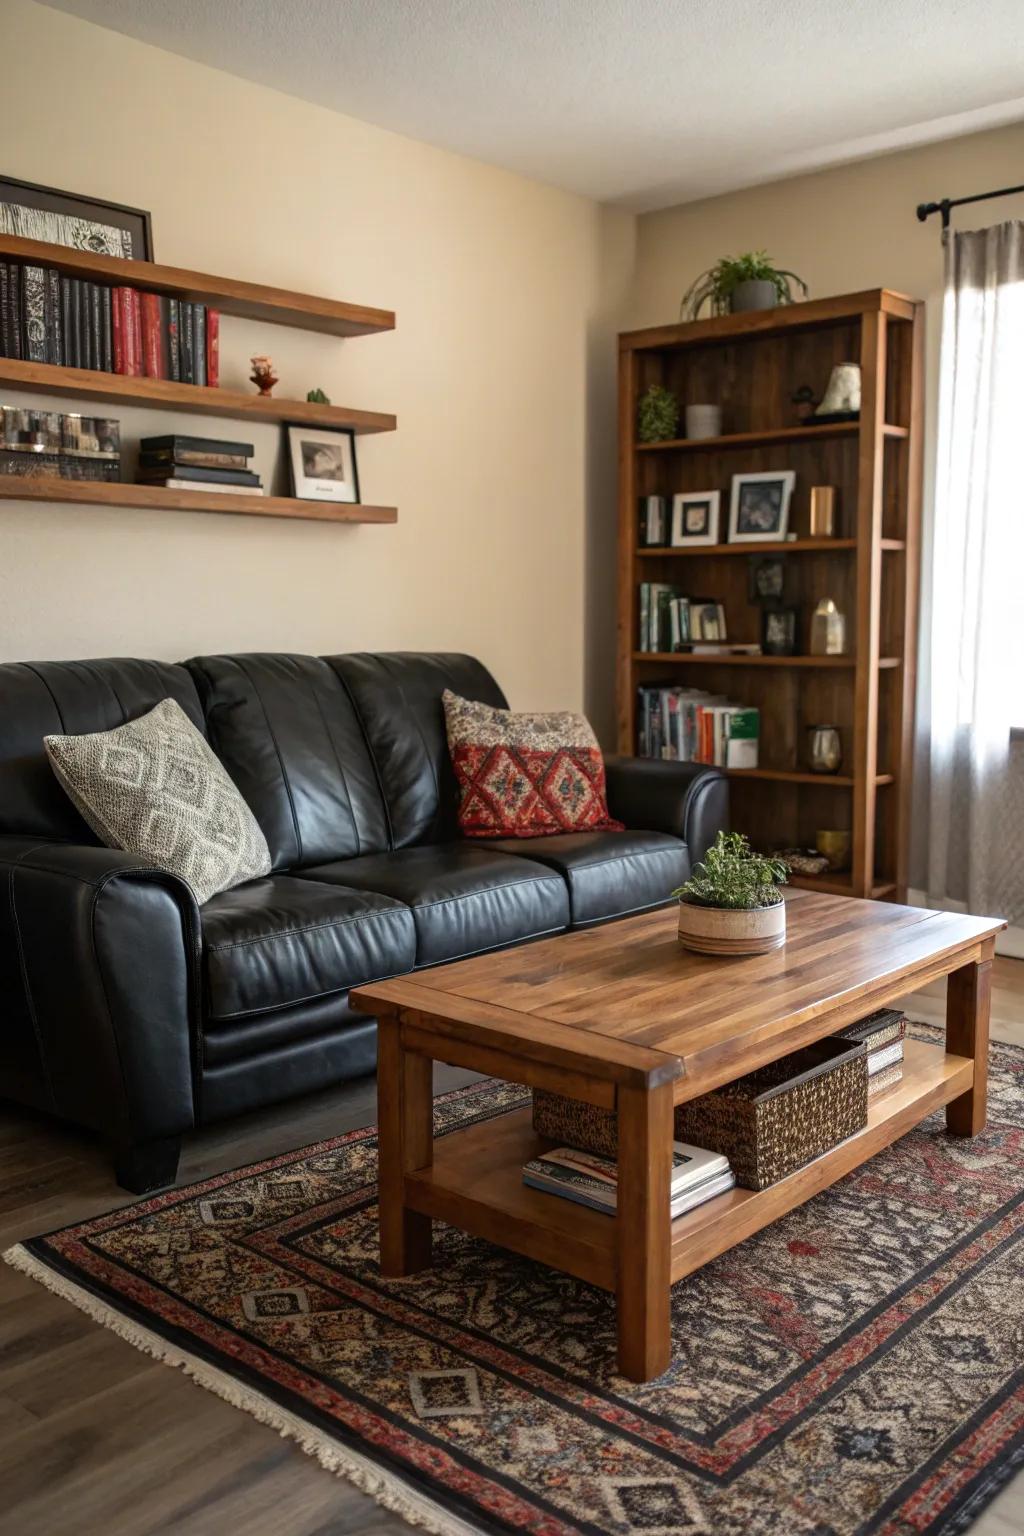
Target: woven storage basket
[
  {"x": 571, "y": 1123},
  {"x": 785, "y": 1114}
]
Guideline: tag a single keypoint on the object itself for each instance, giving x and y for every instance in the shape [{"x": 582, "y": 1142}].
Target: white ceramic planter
[{"x": 728, "y": 931}]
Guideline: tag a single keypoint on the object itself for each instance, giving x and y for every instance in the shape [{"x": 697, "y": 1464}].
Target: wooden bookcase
[
  {"x": 752, "y": 364},
  {"x": 253, "y": 301}
]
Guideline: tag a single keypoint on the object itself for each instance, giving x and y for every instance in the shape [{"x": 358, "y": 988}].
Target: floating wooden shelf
[
  {"x": 799, "y": 776},
  {"x": 683, "y": 658},
  {"x": 98, "y": 493},
  {"x": 166, "y": 395},
  {"x": 770, "y": 435},
  {"x": 251, "y": 301},
  {"x": 776, "y": 547}
]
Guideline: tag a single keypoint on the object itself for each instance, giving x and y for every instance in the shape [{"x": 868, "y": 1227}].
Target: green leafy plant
[
  {"x": 317, "y": 397},
  {"x": 717, "y": 285},
  {"x": 731, "y": 875},
  {"x": 657, "y": 415}
]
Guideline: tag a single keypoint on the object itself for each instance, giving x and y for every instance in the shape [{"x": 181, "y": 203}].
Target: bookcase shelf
[
  {"x": 249, "y": 301},
  {"x": 231, "y": 296},
  {"x": 753, "y": 365},
  {"x": 98, "y": 493}
]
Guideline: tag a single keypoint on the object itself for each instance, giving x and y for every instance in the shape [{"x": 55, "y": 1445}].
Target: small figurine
[
  {"x": 263, "y": 375},
  {"x": 317, "y": 397}
]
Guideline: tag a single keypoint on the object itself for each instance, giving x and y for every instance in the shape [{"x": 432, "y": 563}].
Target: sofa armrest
[
  {"x": 99, "y": 977},
  {"x": 690, "y": 800}
]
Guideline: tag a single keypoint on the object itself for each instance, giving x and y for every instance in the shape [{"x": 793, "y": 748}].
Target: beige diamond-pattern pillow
[{"x": 155, "y": 787}]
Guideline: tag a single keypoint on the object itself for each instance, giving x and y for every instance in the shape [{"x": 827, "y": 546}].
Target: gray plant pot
[{"x": 757, "y": 294}]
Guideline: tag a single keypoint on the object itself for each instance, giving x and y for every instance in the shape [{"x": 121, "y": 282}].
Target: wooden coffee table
[{"x": 621, "y": 1017}]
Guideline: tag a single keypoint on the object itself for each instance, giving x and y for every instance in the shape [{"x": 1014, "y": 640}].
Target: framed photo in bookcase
[{"x": 68, "y": 218}]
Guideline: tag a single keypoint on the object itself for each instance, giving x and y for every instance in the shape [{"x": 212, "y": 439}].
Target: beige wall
[{"x": 501, "y": 290}]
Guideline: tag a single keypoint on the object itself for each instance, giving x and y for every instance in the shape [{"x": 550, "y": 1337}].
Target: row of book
[
  {"x": 189, "y": 463},
  {"x": 36, "y": 443},
  {"x": 591, "y": 1180},
  {"x": 690, "y": 725},
  {"x": 884, "y": 1033},
  {"x": 672, "y": 621},
  {"x": 46, "y": 317}
]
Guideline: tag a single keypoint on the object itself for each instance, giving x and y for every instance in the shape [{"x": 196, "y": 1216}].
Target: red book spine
[
  {"x": 152, "y": 338},
  {"x": 212, "y": 348},
  {"x": 133, "y": 331},
  {"x": 117, "y": 329}
]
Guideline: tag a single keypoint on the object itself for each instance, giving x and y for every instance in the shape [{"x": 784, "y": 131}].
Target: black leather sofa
[{"x": 126, "y": 1008}]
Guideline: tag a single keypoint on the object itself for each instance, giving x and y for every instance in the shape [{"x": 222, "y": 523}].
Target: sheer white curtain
[{"x": 976, "y": 846}]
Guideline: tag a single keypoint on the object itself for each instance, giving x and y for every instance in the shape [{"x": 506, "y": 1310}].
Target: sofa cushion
[
  {"x": 609, "y": 874},
  {"x": 398, "y": 700},
  {"x": 287, "y": 732},
  {"x": 286, "y": 940},
  {"x": 69, "y": 698},
  {"x": 464, "y": 899}
]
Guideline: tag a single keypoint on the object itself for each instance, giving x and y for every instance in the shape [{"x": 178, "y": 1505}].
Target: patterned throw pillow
[
  {"x": 525, "y": 775},
  {"x": 155, "y": 787}
]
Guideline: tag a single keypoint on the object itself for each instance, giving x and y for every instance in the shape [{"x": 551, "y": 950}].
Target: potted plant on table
[
  {"x": 731, "y": 904},
  {"x": 736, "y": 283}
]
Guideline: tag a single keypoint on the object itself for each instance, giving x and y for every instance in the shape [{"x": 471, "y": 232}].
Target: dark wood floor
[{"x": 98, "y": 1440}]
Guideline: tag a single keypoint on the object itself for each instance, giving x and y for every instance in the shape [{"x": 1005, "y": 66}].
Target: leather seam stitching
[
  {"x": 341, "y": 770},
  {"x": 371, "y": 753},
  {"x": 510, "y": 885},
  {"x": 622, "y": 858},
  {"x": 292, "y": 933},
  {"x": 280, "y": 760},
  {"x": 53, "y": 697},
  {"x": 423, "y": 740}
]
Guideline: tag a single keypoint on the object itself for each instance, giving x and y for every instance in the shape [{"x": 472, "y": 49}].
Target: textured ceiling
[{"x": 641, "y": 102}]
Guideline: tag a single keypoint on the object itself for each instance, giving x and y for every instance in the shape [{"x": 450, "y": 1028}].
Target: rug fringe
[{"x": 384, "y": 1487}]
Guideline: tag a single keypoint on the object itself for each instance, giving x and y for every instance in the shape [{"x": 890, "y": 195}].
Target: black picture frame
[
  {"x": 767, "y": 578},
  {"x": 779, "y": 631},
  {"x": 134, "y": 224},
  {"x": 299, "y": 436}
]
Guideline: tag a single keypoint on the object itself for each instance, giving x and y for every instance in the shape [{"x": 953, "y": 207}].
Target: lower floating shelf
[
  {"x": 98, "y": 493},
  {"x": 476, "y": 1181}
]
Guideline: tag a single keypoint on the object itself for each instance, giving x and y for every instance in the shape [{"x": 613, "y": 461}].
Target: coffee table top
[{"x": 625, "y": 1002}]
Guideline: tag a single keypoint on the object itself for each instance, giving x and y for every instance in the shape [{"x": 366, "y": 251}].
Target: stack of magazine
[{"x": 697, "y": 1175}]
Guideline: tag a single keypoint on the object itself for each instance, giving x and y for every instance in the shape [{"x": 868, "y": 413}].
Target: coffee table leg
[
  {"x": 644, "y": 1231},
  {"x": 405, "y": 1117},
  {"x": 968, "y": 999}
]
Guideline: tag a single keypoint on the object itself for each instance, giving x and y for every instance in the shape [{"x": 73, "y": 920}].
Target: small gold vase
[{"x": 828, "y": 630}]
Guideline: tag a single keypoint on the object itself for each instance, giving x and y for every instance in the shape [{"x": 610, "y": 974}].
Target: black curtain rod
[{"x": 925, "y": 210}]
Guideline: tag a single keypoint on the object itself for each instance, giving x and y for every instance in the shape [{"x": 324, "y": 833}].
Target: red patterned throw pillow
[{"x": 525, "y": 775}]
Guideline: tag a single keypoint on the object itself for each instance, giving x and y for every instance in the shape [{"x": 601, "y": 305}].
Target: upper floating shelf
[
  {"x": 756, "y": 439},
  {"x": 251, "y": 301}
]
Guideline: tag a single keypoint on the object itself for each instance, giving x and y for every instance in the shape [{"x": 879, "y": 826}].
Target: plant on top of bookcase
[
  {"x": 737, "y": 283},
  {"x": 731, "y": 904}
]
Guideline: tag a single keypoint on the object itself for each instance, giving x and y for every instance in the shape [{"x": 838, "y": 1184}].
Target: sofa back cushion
[
  {"x": 70, "y": 698},
  {"x": 398, "y": 698},
  {"x": 286, "y": 731}
]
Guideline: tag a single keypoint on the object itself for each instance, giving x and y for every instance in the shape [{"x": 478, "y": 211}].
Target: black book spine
[
  {"x": 106, "y": 330},
  {"x": 67, "y": 329},
  {"x": 174, "y": 340},
  {"x": 5, "y": 304},
  {"x": 95, "y": 326},
  {"x": 82, "y": 295},
  {"x": 187, "y": 345},
  {"x": 199, "y": 343},
  {"x": 33, "y": 313},
  {"x": 77, "y": 349},
  {"x": 54, "y": 322},
  {"x": 14, "y": 310}
]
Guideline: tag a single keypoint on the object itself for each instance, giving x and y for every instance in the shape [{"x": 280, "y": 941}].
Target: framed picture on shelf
[
  {"x": 323, "y": 463},
  {"x": 695, "y": 518},
  {"x": 759, "y": 510},
  {"x": 778, "y": 631},
  {"x": 767, "y": 578},
  {"x": 68, "y": 218},
  {"x": 707, "y": 621}
]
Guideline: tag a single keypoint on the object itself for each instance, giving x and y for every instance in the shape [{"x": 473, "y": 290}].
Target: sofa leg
[{"x": 143, "y": 1166}]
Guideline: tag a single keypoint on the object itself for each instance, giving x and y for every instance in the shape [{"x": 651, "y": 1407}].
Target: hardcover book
[
  {"x": 106, "y": 332},
  {"x": 33, "y": 314},
  {"x": 152, "y": 337},
  {"x": 54, "y": 318},
  {"x": 175, "y": 443},
  {"x": 187, "y": 344},
  {"x": 199, "y": 343},
  {"x": 66, "y": 302},
  {"x": 213, "y": 348},
  {"x": 174, "y": 340}
]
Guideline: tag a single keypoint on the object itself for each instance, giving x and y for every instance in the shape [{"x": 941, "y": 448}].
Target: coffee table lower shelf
[{"x": 475, "y": 1182}]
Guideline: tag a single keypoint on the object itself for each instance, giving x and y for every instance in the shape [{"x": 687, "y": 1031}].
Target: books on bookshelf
[
  {"x": 672, "y": 621},
  {"x": 689, "y": 725},
  {"x": 62, "y": 443},
  {"x": 188, "y": 463},
  {"x": 587, "y": 1179},
  {"x": 47, "y": 317},
  {"x": 883, "y": 1033}
]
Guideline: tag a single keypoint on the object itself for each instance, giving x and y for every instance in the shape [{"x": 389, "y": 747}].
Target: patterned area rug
[{"x": 856, "y": 1368}]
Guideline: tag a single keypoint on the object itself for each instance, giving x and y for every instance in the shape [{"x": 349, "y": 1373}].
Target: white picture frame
[
  {"x": 698, "y": 510},
  {"x": 760, "y": 518},
  {"x": 330, "y": 449}
]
